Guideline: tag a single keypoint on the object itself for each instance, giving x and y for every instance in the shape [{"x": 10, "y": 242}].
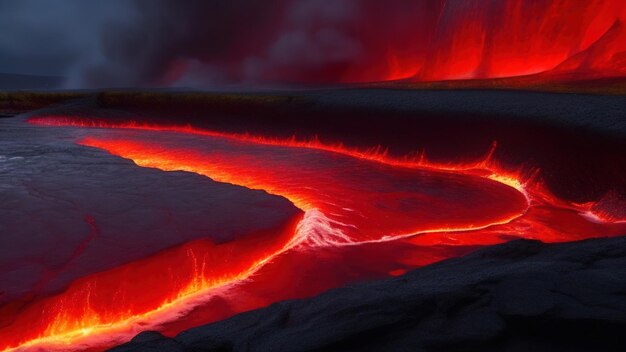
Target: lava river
[{"x": 366, "y": 216}]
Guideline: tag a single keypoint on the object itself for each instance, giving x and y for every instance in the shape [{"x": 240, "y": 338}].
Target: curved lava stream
[{"x": 350, "y": 198}]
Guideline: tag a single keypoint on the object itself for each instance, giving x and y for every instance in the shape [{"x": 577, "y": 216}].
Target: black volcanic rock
[
  {"x": 69, "y": 211},
  {"x": 519, "y": 296}
]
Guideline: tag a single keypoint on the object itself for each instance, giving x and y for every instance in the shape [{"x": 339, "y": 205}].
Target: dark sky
[{"x": 49, "y": 37}]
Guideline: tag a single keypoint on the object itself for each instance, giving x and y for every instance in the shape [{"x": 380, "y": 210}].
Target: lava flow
[{"x": 366, "y": 215}]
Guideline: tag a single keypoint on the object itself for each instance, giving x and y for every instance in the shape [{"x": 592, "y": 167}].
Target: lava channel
[{"x": 366, "y": 216}]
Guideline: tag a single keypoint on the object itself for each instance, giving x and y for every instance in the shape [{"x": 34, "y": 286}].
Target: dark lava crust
[{"x": 519, "y": 296}]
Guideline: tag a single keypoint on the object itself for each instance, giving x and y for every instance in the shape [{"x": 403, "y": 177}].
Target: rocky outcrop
[{"x": 519, "y": 296}]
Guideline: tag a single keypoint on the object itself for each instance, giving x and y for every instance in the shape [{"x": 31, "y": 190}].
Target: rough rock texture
[
  {"x": 68, "y": 211},
  {"x": 520, "y": 296}
]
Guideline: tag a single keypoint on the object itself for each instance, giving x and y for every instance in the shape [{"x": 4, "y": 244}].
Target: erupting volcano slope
[{"x": 366, "y": 216}]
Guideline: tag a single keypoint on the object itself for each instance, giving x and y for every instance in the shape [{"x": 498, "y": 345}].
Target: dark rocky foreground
[{"x": 519, "y": 296}]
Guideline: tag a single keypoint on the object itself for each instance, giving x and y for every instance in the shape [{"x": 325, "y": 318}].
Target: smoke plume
[{"x": 211, "y": 42}]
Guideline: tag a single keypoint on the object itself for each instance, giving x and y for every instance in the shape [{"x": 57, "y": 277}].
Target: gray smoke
[{"x": 203, "y": 42}]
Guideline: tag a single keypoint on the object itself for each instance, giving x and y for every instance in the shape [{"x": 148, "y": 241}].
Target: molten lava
[{"x": 366, "y": 215}]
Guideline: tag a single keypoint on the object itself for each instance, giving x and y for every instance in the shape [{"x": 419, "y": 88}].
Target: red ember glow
[
  {"x": 475, "y": 39},
  {"x": 366, "y": 215}
]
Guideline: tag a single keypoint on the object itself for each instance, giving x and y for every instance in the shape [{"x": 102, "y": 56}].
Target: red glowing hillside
[
  {"x": 365, "y": 211},
  {"x": 456, "y": 40},
  {"x": 510, "y": 38}
]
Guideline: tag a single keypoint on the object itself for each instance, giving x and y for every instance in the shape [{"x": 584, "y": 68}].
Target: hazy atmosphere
[
  {"x": 312, "y": 175},
  {"x": 198, "y": 43}
]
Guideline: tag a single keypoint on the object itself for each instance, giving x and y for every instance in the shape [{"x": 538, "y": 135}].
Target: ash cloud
[
  {"x": 203, "y": 43},
  {"x": 165, "y": 38},
  {"x": 200, "y": 43}
]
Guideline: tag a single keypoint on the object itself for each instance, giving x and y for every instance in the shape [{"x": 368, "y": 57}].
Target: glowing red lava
[
  {"x": 445, "y": 40},
  {"x": 366, "y": 215}
]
